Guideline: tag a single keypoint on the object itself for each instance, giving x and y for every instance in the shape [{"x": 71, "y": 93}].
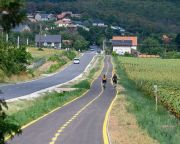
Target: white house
[
  {"x": 21, "y": 28},
  {"x": 63, "y": 23},
  {"x": 124, "y": 44},
  {"x": 53, "y": 41},
  {"x": 44, "y": 17}
]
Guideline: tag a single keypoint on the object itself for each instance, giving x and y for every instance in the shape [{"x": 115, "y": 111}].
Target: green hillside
[{"x": 134, "y": 15}]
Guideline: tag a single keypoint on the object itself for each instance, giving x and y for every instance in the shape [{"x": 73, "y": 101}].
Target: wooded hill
[{"x": 134, "y": 15}]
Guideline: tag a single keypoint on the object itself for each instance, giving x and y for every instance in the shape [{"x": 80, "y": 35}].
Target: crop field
[{"x": 161, "y": 72}]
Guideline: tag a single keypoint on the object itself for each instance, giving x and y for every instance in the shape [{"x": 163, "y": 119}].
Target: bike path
[{"x": 80, "y": 122}]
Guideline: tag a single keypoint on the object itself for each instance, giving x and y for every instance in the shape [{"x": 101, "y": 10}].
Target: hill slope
[{"x": 134, "y": 15}]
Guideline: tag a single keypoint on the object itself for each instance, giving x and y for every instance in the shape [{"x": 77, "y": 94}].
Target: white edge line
[
  {"x": 50, "y": 89},
  {"x": 41, "y": 77}
]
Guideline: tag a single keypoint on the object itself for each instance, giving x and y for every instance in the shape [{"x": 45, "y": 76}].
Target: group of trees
[
  {"x": 155, "y": 44},
  {"x": 142, "y": 16},
  {"x": 96, "y": 35},
  {"x": 177, "y": 40}
]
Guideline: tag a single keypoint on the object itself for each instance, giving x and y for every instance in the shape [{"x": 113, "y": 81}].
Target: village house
[
  {"x": 124, "y": 44},
  {"x": 98, "y": 23},
  {"x": 51, "y": 41},
  {"x": 44, "y": 17},
  {"x": 63, "y": 23},
  {"x": 67, "y": 14},
  {"x": 21, "y": 28}
]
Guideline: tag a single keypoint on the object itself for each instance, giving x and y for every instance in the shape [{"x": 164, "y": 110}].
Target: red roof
[{"x": 132, "y": 38}]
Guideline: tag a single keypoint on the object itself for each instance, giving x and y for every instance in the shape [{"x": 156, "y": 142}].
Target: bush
[
  {"x": 114, "y": 54},
  {"x": 54, "y": 58},
  {"x": 2, "y": 76},
  {"x": 7, "y": 125},
  {"x": 69, "y": 54},
  {"x": 13, "y": 60},
  {"x": 128, "y": 54},
  {"x": 172, "y": 55},
  {"x": 85, "y": 84}
]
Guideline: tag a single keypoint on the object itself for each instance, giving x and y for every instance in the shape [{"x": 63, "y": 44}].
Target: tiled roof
[
  {"x": 48, "y": 38},
  {"x": 126, "y": 38},
  {"x": 122, "y": 42}
]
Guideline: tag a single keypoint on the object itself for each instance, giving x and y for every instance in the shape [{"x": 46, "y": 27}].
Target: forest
[{"x": 135, "y": 15}]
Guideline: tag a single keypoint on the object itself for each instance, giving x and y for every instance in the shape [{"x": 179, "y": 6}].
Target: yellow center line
[{"x": 60, "y": 130}]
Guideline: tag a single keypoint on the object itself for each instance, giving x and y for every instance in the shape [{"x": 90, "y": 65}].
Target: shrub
[
  {"x": 83, "y": 84},
  {"x": 13, "y": 60},
  {"x": 69, "y": 54}
]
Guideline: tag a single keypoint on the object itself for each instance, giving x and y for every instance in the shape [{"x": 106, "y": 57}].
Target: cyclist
[
  {"x": 104, "y": 80},
  {"x": 114, "y": 79}
]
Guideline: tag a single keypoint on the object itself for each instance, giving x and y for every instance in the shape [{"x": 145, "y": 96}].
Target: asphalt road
[
  {"x": 80, "y": 122},
  {"x": 22, "y": 89}
]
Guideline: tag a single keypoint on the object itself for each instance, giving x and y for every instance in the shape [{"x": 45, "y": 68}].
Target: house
[
  {"x": 63, "y": 15},
  {"x": 98, "y": 23},
  {"x": 44, "y": 17},
  {"x": 122, "y": 30},
  {"x": 67, "y": 14},
  {"x": 83, "y": 27},
  {"x": 63, "y": 23},
  {"x": 1, "y": 29},
  {"x": 124, "y": 44},
  {"x": 31, "y": 18},
  {"x": 53, "y": 41},
  {"x": 21, "y": 28},
  {"x": 76, "y": 15}
]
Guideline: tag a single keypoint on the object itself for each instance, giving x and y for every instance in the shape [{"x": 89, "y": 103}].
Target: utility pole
[
  {"x": 104, "y": 45},
  {"x": 40, "y": 33},
  {"x": 18, "y": 42},
  {"x": 27, "y": 41},
  {"x": 156, "y": 96},
  {"x": 7, "y": 38}
]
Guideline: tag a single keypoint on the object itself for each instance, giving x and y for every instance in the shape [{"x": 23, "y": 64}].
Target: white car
[{"x": 76, "y": 61}]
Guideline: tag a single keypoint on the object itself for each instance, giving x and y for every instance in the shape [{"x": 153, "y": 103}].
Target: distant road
[
  {"x": 22, "y": 89},
  {"x": 80, "y": 122}
]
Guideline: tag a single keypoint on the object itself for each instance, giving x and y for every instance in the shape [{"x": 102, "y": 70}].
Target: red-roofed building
[
  {"x": 124, "y": 44},
  {"x": 63, "y": 23}
]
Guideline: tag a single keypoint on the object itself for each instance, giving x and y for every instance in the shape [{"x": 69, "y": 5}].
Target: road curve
[
  {"x": 80, "y": 122},
  {"x": 22, "y": 89}
]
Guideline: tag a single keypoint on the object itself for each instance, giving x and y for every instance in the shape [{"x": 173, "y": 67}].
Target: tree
[
  {"x": 177, "y": 40},
  {"x": 12, "y": 59},
  {"x": 81, "y": 44},
  {"x": 11, "y": 14},
  {"x": 151, "y": 46},
  {"x": 7, "y": 125}
]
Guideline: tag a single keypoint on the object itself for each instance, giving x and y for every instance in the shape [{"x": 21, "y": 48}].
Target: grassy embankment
[
  {"x": 44, "y": 61},
  {"x": 50, "y": 101},
  {"x": 137, "y": 76}
]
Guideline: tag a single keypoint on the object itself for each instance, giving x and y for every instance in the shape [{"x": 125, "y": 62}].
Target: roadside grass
[
  {"x": 83, "y": 84},
  {"x": 33, "y": 109},
  {"x": 160, "y": 125},
  {"x": 44, "y": 105},
  {"x": 123, "y": 127},
  {"x": 46, "y": 52}
]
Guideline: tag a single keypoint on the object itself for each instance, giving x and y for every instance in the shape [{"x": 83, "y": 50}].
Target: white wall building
[{"x": 124, "y": 44}]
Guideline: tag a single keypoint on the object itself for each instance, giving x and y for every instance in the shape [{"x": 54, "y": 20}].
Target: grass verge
[
  {"x": 123, "y": 126},
  {"x": 160, "y": 125},
  {"x": 44, "y": 105}
]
